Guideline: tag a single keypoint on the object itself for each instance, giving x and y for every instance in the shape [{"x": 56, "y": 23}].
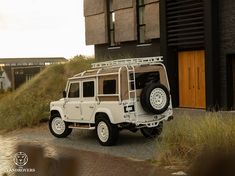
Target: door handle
[
  {"x": 189, "y": 78},
  {"x": 91, "y": 107},
  {"x": 77, "y": 107},
  {"x": 198, "y": 78}
]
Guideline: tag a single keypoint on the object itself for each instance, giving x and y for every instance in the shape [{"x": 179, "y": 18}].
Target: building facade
[
  {"x": 196, "y": 38},
  {"x": 16, "y": 71}
]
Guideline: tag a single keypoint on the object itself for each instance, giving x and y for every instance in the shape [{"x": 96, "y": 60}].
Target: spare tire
[{"x": 155, "y": 98}]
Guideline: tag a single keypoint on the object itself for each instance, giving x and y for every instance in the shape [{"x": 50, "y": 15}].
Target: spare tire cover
[{"x": 155, "y": 98}]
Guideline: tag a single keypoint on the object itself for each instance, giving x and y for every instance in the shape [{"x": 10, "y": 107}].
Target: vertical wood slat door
[
  {"x": 186, "y": 89},
  {"x": 192, "y": 79},
  {"x": 200, "y": 81}
]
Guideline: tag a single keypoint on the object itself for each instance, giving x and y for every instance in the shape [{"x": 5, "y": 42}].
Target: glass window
[
  {"x": 109, "y": 87},
  {"x": 142, "y": 34},
  {"x": 111, "y": 26},
  {"x": 74, "y": 90},
  {"x": 141, "y": 22},
  {"x": 142, "y": 79},
  {"x": 141, "y": 15},
  {"x": 28, "y": 77},
  {"x": 140, "y": 2},
  {"x": 88, "y": 89}
]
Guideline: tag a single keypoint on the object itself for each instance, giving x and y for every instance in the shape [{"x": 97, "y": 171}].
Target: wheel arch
[
  {"x": 56, "y": 111},
  {"x": 106, "y": 113}
]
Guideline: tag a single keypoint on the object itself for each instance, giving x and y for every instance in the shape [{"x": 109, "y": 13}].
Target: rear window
[{"x": 142, "y": 79}]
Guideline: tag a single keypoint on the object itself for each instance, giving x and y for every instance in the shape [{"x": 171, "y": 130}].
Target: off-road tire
[
  {"x": 152, "y": 132},
  {"x": 65, "y": 130},
  {"x": 102, "y": 122},
  {"x": 155, "y": 98}
]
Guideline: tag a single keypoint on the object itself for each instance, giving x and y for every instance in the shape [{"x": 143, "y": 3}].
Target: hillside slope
[{"x": 29, "y": 104}]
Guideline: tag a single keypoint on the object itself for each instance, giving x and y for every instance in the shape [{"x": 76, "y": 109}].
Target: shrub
[
  {"x": 30, "y": 103},
  {"x": 185, "y": 138}
]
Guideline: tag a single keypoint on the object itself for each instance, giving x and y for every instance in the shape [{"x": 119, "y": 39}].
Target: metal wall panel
[
  {"x": 125, "y": 25},
  {"x": 185, "y": 23},
  {"x": 94, "y": 7},
  {"x": 96, "y": 29},
  {"x": 152, "y": 21},
  {"x": 122, "y": 4}
]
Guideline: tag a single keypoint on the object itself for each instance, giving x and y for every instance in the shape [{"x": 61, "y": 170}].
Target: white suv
[{"x": 120, "y": 94}]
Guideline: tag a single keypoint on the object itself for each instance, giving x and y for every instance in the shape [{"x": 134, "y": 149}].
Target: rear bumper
[{"x": 154, "y": 120}]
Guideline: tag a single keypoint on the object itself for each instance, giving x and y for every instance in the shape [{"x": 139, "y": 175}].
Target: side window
[
  {"x": 88, "y": 89},
  {"x": 109, "y": 86},
  {"x": 74, "y": 90}
]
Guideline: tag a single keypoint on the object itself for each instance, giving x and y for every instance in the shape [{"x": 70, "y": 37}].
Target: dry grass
[
  {"x": 185, "y": 138},
  {"x": 29, "y": 104}
]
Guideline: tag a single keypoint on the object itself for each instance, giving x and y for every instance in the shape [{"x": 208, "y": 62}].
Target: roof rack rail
[{"x": 131, "y": 61}]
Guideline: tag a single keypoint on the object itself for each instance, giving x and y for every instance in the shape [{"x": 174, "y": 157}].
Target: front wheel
[
  {"x": 152, "y": 132},
  {"x": 107, "y": 133},
  {"x": 58, "y": 127}
]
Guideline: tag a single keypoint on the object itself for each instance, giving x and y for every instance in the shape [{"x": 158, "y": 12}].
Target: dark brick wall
[
  {"x": 227, "y": 43},
  {"x": 127, "y": 49}
]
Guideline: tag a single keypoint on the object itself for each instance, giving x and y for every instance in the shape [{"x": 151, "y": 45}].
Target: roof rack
[{"x": 131, "y": 61}]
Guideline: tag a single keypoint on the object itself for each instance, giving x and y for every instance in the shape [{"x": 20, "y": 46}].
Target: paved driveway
[{"x": 130, "y": 145}]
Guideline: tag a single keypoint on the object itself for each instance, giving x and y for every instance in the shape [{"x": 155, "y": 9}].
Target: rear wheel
[
  {"x": 107, "y": 133},
  {"x": 152, "y": 132},
  {"x": 58, "y": 127}
]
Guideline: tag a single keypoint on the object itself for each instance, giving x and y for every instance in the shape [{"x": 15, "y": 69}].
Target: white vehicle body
[{"x": 111, "y": 88}]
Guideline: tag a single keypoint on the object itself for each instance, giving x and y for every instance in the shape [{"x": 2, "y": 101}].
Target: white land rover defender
[{"x": 120, "y": 94}]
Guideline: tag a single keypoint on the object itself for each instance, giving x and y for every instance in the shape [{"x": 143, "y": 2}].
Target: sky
[{"x": 42, "y": 28}]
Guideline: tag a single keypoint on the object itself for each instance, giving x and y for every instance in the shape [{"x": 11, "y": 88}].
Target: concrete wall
[
  {"x": 95, "y": 21},
  {"x": 94, "y": 7},
  {"x": 122, "y": 4},
  {"x": 227, "y": 42},
  {"x": 125, "y": 25},
  {"x": 96, "y": 29},
  {"x": 152, "y": 21},
  {"x": 95, "y": 12}
]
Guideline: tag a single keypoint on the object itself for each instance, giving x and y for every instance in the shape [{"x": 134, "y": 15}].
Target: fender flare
[
  {"x": 105, "y": 111},
  {"x": 58, "y": 109}
]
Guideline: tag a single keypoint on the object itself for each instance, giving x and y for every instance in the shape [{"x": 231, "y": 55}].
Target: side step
[{"x": 82, "y": 126}]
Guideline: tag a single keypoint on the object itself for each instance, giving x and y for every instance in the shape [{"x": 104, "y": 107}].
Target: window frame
[
  {"x": 140, "y": 6},
  {"x": 111, "y": 24},
  {"x": 69, "y": 87},
  {"x": 94, "y": 83},
  {"x": 115, "y": 92}
]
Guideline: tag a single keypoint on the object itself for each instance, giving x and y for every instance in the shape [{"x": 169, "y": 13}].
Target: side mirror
[{"x": 64, "y": 94}]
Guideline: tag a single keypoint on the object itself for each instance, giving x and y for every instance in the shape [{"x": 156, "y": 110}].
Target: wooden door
[
  {"x": 192, "y": 79},
  {"x": 200, "y": 81},
  {"x": 186, "y": 89}
]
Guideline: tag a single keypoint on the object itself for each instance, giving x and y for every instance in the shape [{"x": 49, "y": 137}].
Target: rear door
[{"x": 88, "y": 103}]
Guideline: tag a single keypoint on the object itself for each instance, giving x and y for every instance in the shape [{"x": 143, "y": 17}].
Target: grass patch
[
  {"x": 184, "y": 139},
  {"x": 29, "y": 104}
]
